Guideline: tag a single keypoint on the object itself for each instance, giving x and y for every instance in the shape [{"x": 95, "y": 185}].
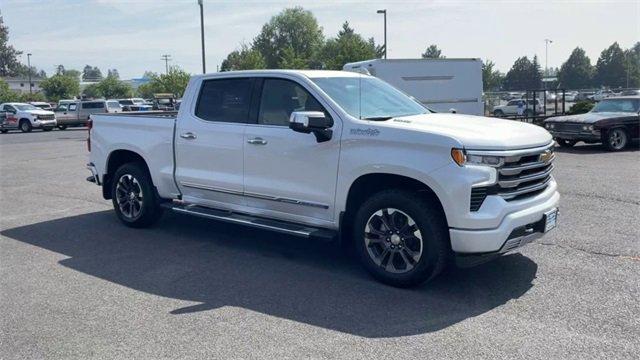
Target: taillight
[{"x": 89, "y": 127}]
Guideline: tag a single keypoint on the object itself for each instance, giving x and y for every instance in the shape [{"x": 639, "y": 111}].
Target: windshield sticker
[{"x": 365, "y": 132}]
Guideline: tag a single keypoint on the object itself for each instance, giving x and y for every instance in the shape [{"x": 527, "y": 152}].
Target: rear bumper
[{"x": 510, "y": 234}]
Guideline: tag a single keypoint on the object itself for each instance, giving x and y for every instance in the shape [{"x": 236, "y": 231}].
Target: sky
[{"x": 131, "y": 36}]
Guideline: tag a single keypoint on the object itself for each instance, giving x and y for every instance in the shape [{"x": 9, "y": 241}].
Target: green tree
[
  {"x": 175, "y": 82},
  {"x": 27, "y": 97},
  {"x": 9, "y": 64},
  {"x": 491, "y": 78},
  {"x": 109, "y": 88},
  {"x": 291, "y": 37},
  {"x": 523, "y": 75},
  {"x": 6, "y": 94},
  {"x": 113, "y": 73},
  {"x": 90, "y": 73},
  {"x": 92, "y": 91},
  {"x": 632, "y": 65},
  {"x": 577, "y": 71},
  {"x": 347, "y": 47},
  {"x": 60, "y": 70},
  {"x": 610, "y": 68},
  {"x": 244, "y": 59},
  {"x": 60, "y": 87},
  {"x": 432, "y": 52}
]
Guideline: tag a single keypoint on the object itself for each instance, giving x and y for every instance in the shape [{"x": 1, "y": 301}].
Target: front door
[
  {"x": 288, "y": 174},
  {"x": 209, "y": 143}
]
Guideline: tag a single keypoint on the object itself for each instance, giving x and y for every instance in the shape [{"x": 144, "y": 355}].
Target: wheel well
[
  {"x": 116, "y": 159},
  {"x": 367, "y": 185}
]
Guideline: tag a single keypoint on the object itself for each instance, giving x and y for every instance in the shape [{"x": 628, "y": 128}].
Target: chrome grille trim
[
  {"x": 514, "y": 170},
  {"x": 508, "y": 195},
  {"x": 517, "y": 181}
]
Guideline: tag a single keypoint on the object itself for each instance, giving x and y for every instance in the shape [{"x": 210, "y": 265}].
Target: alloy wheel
[
  {"x": 393, "y": 240},
  {"x": 129, "y": 196},
  {"x": 617, "y": 139}
]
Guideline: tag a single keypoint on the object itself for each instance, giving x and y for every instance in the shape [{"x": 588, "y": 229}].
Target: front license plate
[{"x": 550, "y": 219}]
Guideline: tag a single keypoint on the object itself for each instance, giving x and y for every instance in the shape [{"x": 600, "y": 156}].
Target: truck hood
[
  {"x": 590, "y": 117},
  {"x": 38, "y": 112},
  {"x": 478, "y": 132}
]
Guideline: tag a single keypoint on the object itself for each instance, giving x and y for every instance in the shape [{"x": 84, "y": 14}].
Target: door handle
[
  {"x": 257, "y": 141},
  {"x": 188, "y": 136}
]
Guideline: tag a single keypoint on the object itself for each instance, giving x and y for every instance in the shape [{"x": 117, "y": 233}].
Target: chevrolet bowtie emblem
[{"x": 546, "y": 156}]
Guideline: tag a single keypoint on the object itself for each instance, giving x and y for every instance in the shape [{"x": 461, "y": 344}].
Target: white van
[{"x": 441, "y": 84}]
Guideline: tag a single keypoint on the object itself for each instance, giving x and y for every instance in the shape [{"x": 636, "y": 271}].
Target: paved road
[{"x": 74, "y": 283}]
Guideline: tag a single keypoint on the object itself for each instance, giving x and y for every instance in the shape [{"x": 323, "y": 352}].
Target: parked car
[
  {"x": 614, "y": 122},
  {"x": 42, "y": 105},
  {"x": 30, "y": 117},
  {"x": 164, "y": 102},
  {"x": 324, "y": 153},
  {"x": 8, "y": 121},
  {"x": 113, "y": 106},
  {"x": 77, "y": 113},
  {"x": 511, "y": 108},
  {"x": 630, "y": 92},
  {"x": 134, "y": 104},
  {"x": 570, "y": 96},
  {"x": 602, "y": 94},
  {"x": 584, "y": 96}
]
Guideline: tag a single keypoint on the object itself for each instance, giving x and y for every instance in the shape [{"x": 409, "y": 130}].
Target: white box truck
[{"x": 440, "y": 84}]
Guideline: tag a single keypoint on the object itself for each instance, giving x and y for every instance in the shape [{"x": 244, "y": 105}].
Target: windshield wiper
[{"x": 378, "y": 118}]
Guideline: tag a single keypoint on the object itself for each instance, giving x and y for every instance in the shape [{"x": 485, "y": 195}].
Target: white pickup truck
[{"x": 333, "y": 154}]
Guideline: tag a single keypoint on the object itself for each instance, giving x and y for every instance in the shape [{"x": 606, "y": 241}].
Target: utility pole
[
  {"x": 29, "y": 70},
  {"x": 384, "y": 11},
  {"x": 546, "y": 56},
  {"x": 166, "y": 58},
  {"x": 204, "y": 66}
]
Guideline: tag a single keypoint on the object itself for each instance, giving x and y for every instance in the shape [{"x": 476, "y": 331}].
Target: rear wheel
[
  {"x": 498, "y": 113},
  {"x": 615, "y": 139},
  {"x": 62, "y": 127},
  {"x": 566, "y": 143},
  {"x": 25, "y": 126},
  {"x": 400, "y": 238},
  {"x": 134, "y": 197}
]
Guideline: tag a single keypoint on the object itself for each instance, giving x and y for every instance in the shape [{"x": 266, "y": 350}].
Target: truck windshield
[
  {"x": 23, "y": 107},
  {"x": 369, "y": 98},
  {"x": 617, "y": 105}
]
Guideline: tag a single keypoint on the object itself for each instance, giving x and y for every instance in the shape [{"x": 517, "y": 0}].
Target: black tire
[
  {"x": 431, "y": 226},
  {"x": 149, "y": 210},
  {"x": 566, "y": 143},
  {"x": 4, "y": 131},
  {"x": 47, "y": 129},
  {"x": 615, "y": 139},
  {"x": 62, "y": 127},
  {"x": 25, "y": 125},
  {"x": 498, "y": 113}
]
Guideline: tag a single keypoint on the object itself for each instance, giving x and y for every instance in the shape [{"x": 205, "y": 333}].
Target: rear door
[
  {"x": 209, "y": 143},
  {"x": 287, "y": 174}
]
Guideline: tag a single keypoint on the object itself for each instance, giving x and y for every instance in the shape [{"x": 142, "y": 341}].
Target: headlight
[{"x": 461, "y": 158}]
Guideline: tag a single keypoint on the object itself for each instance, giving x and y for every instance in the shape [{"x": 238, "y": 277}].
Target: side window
[
  {"x": 72, "y": 107},
  {"x": 93, "y": 105},
  {"x": 512, "y": 103},
  {"x": 225, "y": 100},
  {"x": 282, "y": 97}
]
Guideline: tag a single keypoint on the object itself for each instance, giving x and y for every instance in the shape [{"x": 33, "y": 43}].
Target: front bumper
[
  {"x": 578, "y": 136},
  {"x": 507, "y": 236},
  {"x": 45, "y": 124}
]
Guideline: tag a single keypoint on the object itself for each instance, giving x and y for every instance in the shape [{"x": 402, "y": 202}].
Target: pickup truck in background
[
  {"x": 76, "y": 113},
  {"x": 28, "y": 117},
  {"x": 333, "y": 154}
]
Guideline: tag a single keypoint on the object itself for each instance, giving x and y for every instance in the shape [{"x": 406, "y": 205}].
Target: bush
[{"x": 581, "y": 107}]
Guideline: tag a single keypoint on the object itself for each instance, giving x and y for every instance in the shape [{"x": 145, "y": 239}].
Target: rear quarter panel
[{"x": 149, "y": 136}]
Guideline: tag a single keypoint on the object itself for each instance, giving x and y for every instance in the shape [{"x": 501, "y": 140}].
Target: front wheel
[
  {"x": 616, "y": 139},
  {"x": 25, "y": 126},
  {"x": 4, "y": 131},
  {"x": 134, "y": 198},
  {"x": 401, "y": 238},
  {"x": 498, "y": 113}
]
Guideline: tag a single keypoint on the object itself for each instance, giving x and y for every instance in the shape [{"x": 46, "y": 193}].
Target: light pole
[
  {"x": 384, "y": 11},
  {"x": 29, "y": 70},
  {"x": 166, "y": 58},
  {"x": 204, "y": 67},
  {"x": 546, "y": 56}
]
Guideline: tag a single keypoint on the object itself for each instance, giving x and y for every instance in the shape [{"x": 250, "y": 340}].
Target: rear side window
[
  {"x": 225, "y": 100},
  {"x": 93, "y": 105}
]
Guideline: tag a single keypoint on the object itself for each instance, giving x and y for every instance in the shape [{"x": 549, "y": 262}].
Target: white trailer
[{"x": 440, "y": 84}]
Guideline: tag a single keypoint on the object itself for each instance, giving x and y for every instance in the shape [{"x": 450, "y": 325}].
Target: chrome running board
[{"x": 252, "y": 221}]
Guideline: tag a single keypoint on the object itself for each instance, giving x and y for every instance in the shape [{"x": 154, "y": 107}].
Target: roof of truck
[{"x": 307, "y": 73}]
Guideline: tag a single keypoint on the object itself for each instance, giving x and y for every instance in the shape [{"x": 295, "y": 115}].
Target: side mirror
[
  {"x": 315, "y": 122},
  {"x": 453, "y": 111}
]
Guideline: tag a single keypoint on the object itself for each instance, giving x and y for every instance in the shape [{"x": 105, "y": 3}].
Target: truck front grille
[
  {"x": 46, "y": 117},
  {"x": 521, "y": 176}
]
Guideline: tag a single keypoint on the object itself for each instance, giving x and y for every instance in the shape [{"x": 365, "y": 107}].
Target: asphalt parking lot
[{"x": 74, "y": 283}]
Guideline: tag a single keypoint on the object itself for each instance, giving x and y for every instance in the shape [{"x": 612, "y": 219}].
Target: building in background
[{"x": 21, "y": 85}]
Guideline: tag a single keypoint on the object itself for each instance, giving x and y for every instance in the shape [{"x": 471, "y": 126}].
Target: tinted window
[
  {"x": 113, "y": 104},
  {"x": 93, "y": 105},
  {"x": 512, "y": 103},
  {"x": 226, "y": 100},
  {"x": 282, "y": 97},
  {"x": 125, "y": 102}
]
